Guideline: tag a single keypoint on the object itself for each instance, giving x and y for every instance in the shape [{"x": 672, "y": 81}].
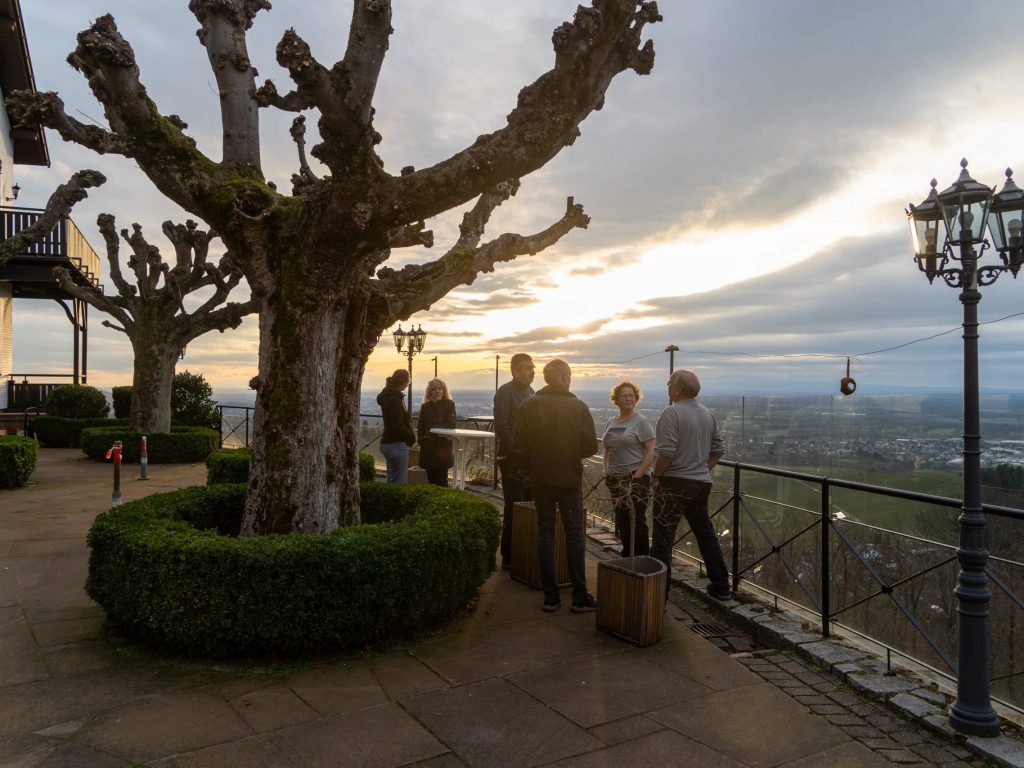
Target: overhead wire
[{"x": 797, "y": 355}]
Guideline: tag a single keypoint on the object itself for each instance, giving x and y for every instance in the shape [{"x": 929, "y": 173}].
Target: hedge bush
[
  {"x": 122, "y": 397},
  {"x": 192, "y": 402},
  {"x": 183, "y": 445},
  {"x": 59, "y": 432},
  {"x": 231, "y": 465},
  {"x": 18, "y": 457},
  {"x": 168, "y": 569},
  {"x": 76, "y": 401}
]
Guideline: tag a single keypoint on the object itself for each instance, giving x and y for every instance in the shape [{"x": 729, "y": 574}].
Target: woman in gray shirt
[{"x": 628, "y": 454}]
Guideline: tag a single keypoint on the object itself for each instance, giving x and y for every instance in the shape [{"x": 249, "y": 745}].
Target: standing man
[
  {"x": 514, "y": 485},
  {"x": 687, "y": 447},
  {"x": 555, "y": 432}
]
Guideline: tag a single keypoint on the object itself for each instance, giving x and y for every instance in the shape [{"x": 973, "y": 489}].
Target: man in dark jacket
[
  {"x": 554, "y": 433},
  {"x": 514, "y": 486}
]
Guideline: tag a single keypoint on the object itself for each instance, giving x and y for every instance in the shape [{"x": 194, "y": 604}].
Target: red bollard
[
  {"x": 143, "y": 461},
  {"x": 115, "y": 451}
]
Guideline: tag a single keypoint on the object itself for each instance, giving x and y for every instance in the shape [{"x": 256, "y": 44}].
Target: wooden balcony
[{"x": 31, "y": 271}]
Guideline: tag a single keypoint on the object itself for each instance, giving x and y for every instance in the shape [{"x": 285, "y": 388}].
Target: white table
[{"x": 461, "y": 437}]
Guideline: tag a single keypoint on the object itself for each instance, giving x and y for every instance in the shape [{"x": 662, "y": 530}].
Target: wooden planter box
[
  {"x": 525, "y": 567},
  {"x": 631, "y": 598}
]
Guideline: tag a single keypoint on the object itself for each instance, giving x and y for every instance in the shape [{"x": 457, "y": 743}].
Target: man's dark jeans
[
  {"x": 570, "y": 504},
  {"x": 514, "y": 487},
  {"x": 678, "y": 498}
]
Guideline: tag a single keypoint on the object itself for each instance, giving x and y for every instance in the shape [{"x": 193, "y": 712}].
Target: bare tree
[
  {"x": 313, "y": 259},
  {"x": 153, "y": 315}
]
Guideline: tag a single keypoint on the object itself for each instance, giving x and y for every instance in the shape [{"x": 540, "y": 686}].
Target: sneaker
[
  {"x": 551, "y": 604},
  {"x": 585, "y": 604},
  {"x": 723, "y": 596}
]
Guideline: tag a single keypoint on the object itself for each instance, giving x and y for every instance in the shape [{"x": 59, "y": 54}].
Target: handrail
[{"x": 891, "y": 588}]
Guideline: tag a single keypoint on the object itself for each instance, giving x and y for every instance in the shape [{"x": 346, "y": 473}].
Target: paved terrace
[{"x": 505, "y": 686}]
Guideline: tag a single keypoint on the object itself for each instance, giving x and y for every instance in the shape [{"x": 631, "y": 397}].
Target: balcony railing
[{"x": 64, "y": 242}]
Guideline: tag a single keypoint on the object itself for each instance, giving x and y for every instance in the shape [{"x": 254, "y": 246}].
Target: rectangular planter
[
  {"x": 525, "y": 567},
  {"x": 631, "y": 598}
]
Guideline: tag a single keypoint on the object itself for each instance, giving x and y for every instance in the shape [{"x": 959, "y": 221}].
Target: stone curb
[{"x": 908, "y": 694}]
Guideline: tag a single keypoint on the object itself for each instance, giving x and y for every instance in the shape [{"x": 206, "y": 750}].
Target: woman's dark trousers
[{"x": 626, "y": 489}]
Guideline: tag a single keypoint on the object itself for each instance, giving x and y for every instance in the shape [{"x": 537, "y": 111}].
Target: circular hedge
[
  {"x": 18, "y": 458},
  {"x": 170, "y": 569}
]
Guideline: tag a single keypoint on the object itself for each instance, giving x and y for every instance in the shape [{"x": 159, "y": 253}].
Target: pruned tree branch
[
  {"x": 137, "y": 129},
  {"x": 162, "y": 305},
  {"x": 600, "y": 42},
  {"x": 223, "y": 24},
  {"x": 417, "y": 286},
  {"x": 368, "y": 37},
  {"x": 412, "y": 235},
  {"x": 59, "y": 206},
  {"x": 27, "y": 108}
]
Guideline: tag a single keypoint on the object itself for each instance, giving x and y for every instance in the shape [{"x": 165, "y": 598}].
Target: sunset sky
[{"x": 747, "y": 198}]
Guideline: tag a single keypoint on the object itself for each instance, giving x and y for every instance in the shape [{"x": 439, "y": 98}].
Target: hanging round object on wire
[{"x": 846, "y": 384}]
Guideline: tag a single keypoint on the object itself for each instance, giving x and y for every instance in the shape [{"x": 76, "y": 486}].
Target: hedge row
[
  {"x": 183, "y": 445},
  {"x": 61, "y": 432},
  {"x": 18, "y": 457},
  {"x": 231, "y": 465},
  {"x": 169, "y": 569}
]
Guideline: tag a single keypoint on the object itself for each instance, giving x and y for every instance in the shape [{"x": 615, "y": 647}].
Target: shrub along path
[{"x": 505, "y": 686}]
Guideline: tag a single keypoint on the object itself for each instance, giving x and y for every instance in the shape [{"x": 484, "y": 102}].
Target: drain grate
[{"x": 711, "y": 630}]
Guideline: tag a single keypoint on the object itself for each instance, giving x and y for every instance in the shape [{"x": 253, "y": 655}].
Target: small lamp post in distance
[{"x": 410, "y": 344}]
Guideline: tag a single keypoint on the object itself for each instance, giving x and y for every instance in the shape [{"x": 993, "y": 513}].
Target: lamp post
[
  {"x": 409, "y": 343},
  {"x": 948, "y": 230}
]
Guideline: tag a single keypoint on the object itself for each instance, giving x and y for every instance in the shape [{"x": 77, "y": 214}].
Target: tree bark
[
  {"x": 313, "y": 350},
  {"x": 152, "y": 380}
]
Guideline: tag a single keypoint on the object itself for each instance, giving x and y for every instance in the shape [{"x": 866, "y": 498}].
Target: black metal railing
[
  {"x": 236, "y": 432},
  {"x": 64, "y": 241},
  {"x": 873, "y": 562},
  {"x": 25, "y": 394}
]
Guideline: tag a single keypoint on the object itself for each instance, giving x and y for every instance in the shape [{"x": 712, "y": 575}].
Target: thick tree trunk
[
  {"x": 151, "y": 385},
  {"x": 313, "y": 348}
]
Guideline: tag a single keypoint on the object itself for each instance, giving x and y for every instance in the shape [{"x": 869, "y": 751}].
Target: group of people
[
  {"x": 543, "y": 438},
  {"x": 437, "y": 410}
]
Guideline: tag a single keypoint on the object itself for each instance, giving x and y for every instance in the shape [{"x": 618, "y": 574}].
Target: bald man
[{"x": 687, "y": 446}]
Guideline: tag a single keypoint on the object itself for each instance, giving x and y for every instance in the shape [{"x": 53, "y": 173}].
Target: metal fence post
[
  {"x": 735, "y": 526},
  {"x": 826, "y": 526}
]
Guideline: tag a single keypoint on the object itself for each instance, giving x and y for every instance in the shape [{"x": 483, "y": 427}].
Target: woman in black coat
[{"x": 437, "y": 410}]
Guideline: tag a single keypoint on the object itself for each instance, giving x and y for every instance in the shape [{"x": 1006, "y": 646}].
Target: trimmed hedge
[
  {"x": 122, "y": 397},
  {"x": 60, "y": 432},
  {"x": 168, "y": 569},
  {"x": 231, "y": 465},
  {"x": 183, "y": 445},
  {"x": 18, "y": 457},
  {"x": 76, "y": 401}
]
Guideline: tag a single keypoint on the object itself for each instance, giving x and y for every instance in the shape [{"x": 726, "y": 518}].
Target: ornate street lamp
[
  {"x": 409, "y": 343},
  {"x": 950, "y": 227}
]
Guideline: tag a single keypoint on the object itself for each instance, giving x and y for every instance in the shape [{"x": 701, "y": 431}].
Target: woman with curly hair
[{"x": 628, "y": 455}]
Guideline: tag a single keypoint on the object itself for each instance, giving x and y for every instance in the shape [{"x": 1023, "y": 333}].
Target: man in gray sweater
[{"x": 687, "y": 446}]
